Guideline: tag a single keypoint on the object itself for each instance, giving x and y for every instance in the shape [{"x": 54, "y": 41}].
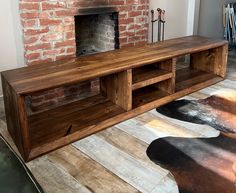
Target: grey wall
[{"x": 211, "y": 18}]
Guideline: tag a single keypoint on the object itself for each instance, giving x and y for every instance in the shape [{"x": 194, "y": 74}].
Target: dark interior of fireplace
[{"x": 96, "y": 30}]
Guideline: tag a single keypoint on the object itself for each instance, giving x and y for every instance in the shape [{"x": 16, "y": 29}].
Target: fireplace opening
[{"x": 96, "y": 30}]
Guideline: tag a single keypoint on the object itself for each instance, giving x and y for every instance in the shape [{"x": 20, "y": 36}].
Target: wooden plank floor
[{"x": 115, "y": 159}]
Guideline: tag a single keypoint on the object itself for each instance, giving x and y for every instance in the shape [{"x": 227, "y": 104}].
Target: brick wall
[
  {"x": 49, "y": 35},
  {"x": 49, "y": 30}
]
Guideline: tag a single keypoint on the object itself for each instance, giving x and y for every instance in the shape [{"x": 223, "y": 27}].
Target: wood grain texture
[
  {"x": 122, "y": 164},
  {"x": 79, "y": 165},
  {"x": 117, "y": 88},
  {"x": 52, "y": 75},
  {"x": 16, "y": 119}
]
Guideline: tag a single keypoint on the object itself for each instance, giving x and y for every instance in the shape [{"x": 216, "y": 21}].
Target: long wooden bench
[{"x": 132, "y": 81}]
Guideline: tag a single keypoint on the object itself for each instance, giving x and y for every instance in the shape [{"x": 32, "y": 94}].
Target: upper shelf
[
  {"x": 148, "y": 75},
  {"x": 51, "y": 75}
]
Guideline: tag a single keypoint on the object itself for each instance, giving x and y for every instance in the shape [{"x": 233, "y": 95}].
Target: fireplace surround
[
  {"x": 49, "y": 26},
  {"x": 49, "y": 33}
]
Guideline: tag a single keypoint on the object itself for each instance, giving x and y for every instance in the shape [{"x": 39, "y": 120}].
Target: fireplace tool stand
[{"x": 160, "y": 22}]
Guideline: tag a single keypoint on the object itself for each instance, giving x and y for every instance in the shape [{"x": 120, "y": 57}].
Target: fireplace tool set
[{"x": 160, "y": 23}]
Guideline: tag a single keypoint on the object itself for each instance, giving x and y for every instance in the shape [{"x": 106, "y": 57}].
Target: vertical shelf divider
[
  {"x": 168, "y": 85},
  {"x": 118, "y": 88}
]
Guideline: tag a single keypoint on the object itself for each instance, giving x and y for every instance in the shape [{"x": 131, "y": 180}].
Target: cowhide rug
[{"x": 201, "y": 165}]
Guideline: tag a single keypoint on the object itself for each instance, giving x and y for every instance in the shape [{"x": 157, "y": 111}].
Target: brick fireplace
[
  {"x": 49, "y": 26},
  {"x": 51, "y": 32}
]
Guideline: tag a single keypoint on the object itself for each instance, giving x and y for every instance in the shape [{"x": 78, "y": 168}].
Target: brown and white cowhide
[{"x": 201, "y": 165}]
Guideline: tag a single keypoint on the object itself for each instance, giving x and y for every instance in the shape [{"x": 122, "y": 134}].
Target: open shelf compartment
[
  {"x": 151, "y": 74},
  {"x": 69, "y": 118},
  {"x": 200, "y": 67},
  {"x": 188, "y": 77},
  {"x": 100, "y": 105},
  {"x": 150, "y": 93}
]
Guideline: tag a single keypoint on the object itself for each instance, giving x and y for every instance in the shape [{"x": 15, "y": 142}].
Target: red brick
[
  {"x": 134, "y": 26},
  {"x": 144, "y": 37},
  {"x": 142, "y": 32},
  {"x": 36, "y": 31},
  {"x": 62, "y": 57},
  {"x": 32, "y": 56},
  {"x": 61, "y": 28},
  {"x": 69, "y": 20},
  {"x": 33, "y": 0},
  {"x": 50, "y": 96},
  {"x": 50, "y": 52},
  {"x": 135, "y": 13},
  {"x": 37, "y": 100},
  {"x": 127, "y": 33},
  {"x": 65, "y": 43},
  {"x": 142, "y": 1},
  {"x": 65, "y": 13},
  {"x": 134, "y": 38},
  {"x": 29, "y": 23},
  {"x": 46, "y": 22},
  {"x": 82, "y": 4},
  {"x": 53, "y": 52},
  {"x": 142, "y": 7},
  {"x": 40, "y": 61},
  {"x": 122, "y": 28},
  {"x": 126, "y": 21},
  {"x": 123, "y": 40},
  {"x": 34, "y": 15},
  {"x": 70, "y": 35},
  {"x": 38, "y": 46},
  {"x": 71, "y": 50},
  {"x": 29, "y": 6},
  {"x": 30, "y": 40},
  {"x": 122, "y": 15},
  {"x": 132, "y": 2},
  {"x": 51, "y": 6},
  {"x": 125, "y": 8},
  {"x": 118, "y": 2},
  {"x": 51, "y": 37}
]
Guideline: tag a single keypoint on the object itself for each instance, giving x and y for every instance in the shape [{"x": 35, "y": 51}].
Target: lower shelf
[
  {"x": 59, "y": 122},
  {"x": 147, "y": 95},
  {"x": 188, "y": 77}
]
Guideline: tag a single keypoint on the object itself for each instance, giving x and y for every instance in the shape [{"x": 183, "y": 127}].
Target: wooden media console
[{"x": 131, "y": 81}]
